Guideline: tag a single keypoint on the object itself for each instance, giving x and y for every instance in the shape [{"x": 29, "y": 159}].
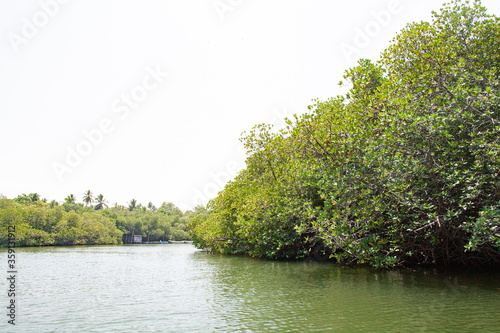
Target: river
[{"x": 176, "y": 288}]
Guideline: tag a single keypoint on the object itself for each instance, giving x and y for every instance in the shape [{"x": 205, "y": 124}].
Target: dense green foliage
[
  {"x": 40, "y": 223},
  {"x": 403, "y": 169}
]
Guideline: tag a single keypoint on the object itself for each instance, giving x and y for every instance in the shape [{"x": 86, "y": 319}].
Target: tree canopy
[
  {"x": 403, "y": 169},
  {"x": 39, "y": 223}
]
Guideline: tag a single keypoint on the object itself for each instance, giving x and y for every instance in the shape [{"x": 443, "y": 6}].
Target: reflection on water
[{"x": 175, "y": 288}]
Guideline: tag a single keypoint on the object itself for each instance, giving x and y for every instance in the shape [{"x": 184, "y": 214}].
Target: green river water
[{"x": 176, "y": 288}]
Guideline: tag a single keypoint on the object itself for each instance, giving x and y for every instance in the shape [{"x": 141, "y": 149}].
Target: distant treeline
[
  {"x": 403, "y": 169},
  {"x": 38, "y": 222}
]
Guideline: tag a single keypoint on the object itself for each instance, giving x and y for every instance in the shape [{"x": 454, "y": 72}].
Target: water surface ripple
[{"x": 176, "y": 288}]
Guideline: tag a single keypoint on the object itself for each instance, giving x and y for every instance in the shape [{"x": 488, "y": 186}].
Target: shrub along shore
[
  {"x": 403, "y": 169},
  {"x": 38, "y": 222}
]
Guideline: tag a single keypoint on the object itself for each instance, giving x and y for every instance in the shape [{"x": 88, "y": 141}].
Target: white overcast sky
[{"x": 66, "y": 65}]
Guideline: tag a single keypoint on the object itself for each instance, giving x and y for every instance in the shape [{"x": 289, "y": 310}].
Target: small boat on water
[
  {"x": 169, "y": 242},
  {"x": 157, "y": 242}
]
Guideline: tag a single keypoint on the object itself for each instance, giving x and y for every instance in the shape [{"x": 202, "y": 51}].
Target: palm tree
[
  {"x": 34, "y": 197},
  {"x": 53, "y": 204},
  {"x": 132, "y": 204},
  {"x": 101, "y": 202},
  {"x": 87, "y": 198},
  {"x": 152, "y": 207},
  {"x": 70, "y": 199},
  {"x": 22, "y": 199}
]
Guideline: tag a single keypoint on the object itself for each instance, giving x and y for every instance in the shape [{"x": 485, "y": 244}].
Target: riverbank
[{"x": 38, "y": 223}]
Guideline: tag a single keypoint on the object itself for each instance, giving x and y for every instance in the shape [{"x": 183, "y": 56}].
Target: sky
[{"x": 147, "y": 100}]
